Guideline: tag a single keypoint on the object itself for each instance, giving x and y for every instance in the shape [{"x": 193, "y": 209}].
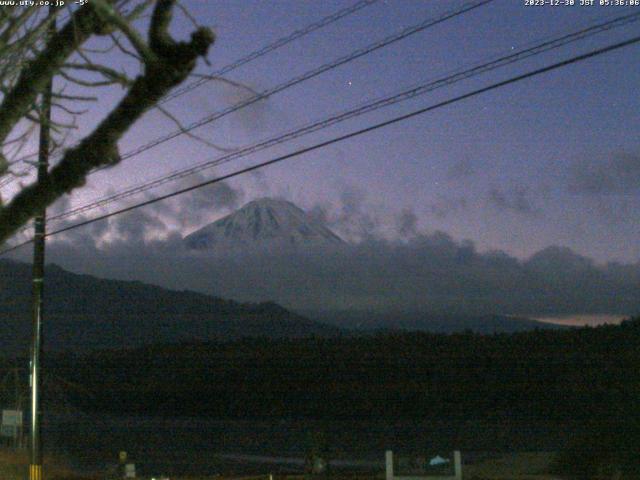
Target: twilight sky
[{"x": 553, "y": 160}]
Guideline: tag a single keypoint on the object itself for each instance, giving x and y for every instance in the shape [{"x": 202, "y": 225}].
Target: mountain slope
[
  {"x": 265, "y": 221},
  {"x": 83, "y": 312}
]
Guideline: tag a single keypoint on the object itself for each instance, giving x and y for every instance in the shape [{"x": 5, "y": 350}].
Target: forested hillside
[{"x": 546, "y": 375}]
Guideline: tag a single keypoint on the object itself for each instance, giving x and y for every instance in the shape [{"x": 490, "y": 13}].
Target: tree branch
[
  {"x": 192, "y": 135},
  {"x": 173, "y": 64},
  {"x": 108, "y": 13},
  {"x": 103, "y": 70},
  {"x": 34, "y": 77}
]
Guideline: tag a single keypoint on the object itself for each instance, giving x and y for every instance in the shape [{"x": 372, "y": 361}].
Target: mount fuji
[{"x": 266, "y": 222}]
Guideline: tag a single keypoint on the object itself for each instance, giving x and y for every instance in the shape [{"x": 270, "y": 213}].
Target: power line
[
  {"x": 341, "y": 138},
  {"x": 279, "y": 43},
  {"x": 370, "y": 106},
  {"x": 406, "y": 32}
]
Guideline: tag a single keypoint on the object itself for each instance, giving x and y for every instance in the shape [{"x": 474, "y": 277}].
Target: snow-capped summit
[{"x": 263, "y": 222}]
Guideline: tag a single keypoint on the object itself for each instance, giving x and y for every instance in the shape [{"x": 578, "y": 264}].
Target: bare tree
[{"x": 29, "y": 60}]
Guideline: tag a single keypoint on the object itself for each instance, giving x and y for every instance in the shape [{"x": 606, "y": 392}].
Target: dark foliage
[{"x": 542, "y": 389}]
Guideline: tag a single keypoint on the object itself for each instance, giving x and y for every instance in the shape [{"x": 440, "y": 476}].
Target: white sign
[
  {"x": 12, "y": 418},
  {"x": 130, "y": 470}
]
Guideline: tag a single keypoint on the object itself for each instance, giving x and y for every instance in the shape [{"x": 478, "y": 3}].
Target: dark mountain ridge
[{"x": 84, "y": 312}]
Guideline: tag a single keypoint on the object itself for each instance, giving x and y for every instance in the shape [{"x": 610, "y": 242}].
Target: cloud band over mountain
[
  {"x": 431, "y": 273},
  {"x": 417, "y": 272}
]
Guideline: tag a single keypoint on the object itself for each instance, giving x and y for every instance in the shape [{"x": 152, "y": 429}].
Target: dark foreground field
[
  {"x": 573, "y": 392},
  {"x": 524, "y": 466}
]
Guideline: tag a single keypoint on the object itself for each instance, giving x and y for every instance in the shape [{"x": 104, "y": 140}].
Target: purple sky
[{"x": 553, "y": 160}]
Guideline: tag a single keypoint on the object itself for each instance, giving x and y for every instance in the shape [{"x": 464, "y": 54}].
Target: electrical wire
[
  {"x": 377, "y": 126},
  {"x": 279, "y": 43},
  {"x": 370, "y": 106},
  {"x": 404, "y": 33}
]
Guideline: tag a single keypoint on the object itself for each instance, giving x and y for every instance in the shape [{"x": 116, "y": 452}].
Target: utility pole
[
  {"x": 18, "y": 406},
  {"x": 35, "y": 440}
]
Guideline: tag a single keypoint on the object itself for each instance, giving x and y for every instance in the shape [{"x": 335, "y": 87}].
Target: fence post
[
  {"x": 457, "y": 463},
  {"x": 389, "y": 464}
]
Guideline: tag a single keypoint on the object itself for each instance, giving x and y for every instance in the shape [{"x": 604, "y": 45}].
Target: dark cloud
[
  {"x": 199, "y": 206},
  {"x": 255, "y": 117},
  {"x": 90, "y": 234},
  {"x": 407, "y": 223},
  {"x": 617, "y": 174},
  {"x": 155, "y": 221},
  {"x": 136, "y": 226},
  {"x": 446, "y": 205},
  {"x": 213, "y": 197},
  {"x": 261, "y": 185},
  {"x": 352, "y": 215},
  {"x": 59, "y": 206},
  {"x": 461, "y": 169},
  {"x": 515, "y": 200},
  {"x": 429, "y": 273},
  {"x": 353, "y": 211},
  {"x": 417, "y": 272},
  {"x": 614, "y": 210}
]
